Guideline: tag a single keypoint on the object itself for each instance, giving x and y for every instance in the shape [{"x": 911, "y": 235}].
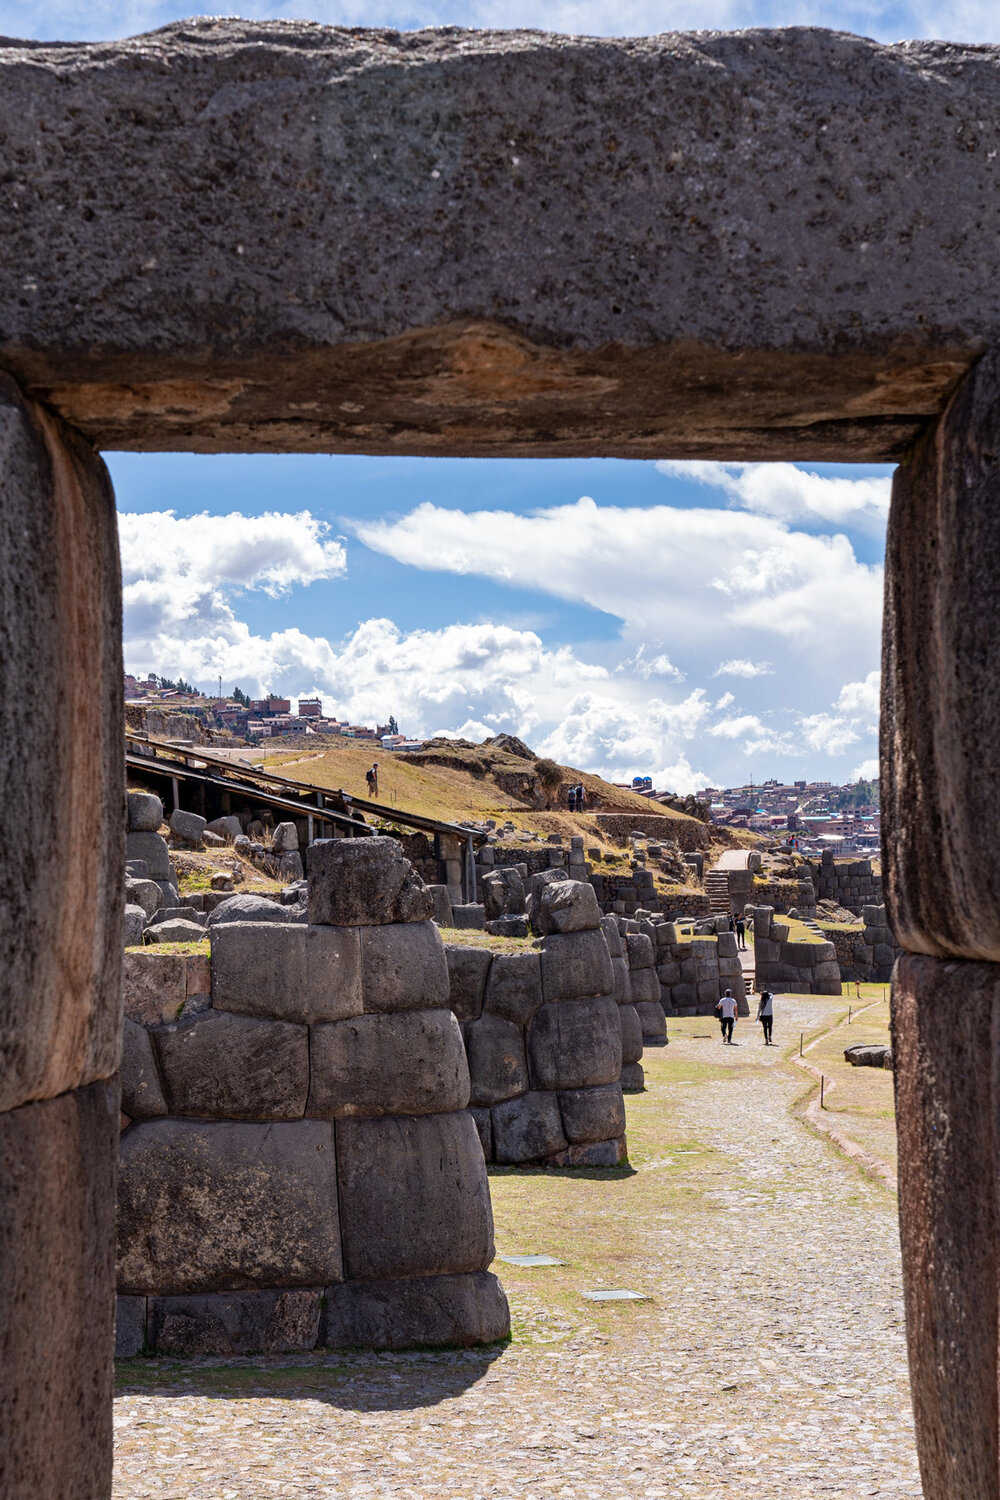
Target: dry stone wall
[
  {"x": 788, "y": 967},
  {"x": 548, "y": 1032},
  {"x": 851, "y": 883},
  {"x": 867, "y": 952},
  {"x": 299, "y": 1167}
]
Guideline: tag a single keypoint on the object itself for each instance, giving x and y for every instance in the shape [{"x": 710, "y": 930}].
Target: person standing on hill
[
  {"x": 726, "y": 1010},
  {"x": 765, "y": 1015},
  {"x": 741, "y": 933}
]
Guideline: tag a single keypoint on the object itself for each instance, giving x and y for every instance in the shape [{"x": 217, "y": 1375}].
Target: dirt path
[{"x": 770, "y": 1361}]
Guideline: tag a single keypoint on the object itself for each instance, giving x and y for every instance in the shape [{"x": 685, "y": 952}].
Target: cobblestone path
[{"x": 770, "y": 1362}]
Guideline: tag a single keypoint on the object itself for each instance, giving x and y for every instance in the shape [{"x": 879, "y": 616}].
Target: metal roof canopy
[{"x": 173, "y": 760}]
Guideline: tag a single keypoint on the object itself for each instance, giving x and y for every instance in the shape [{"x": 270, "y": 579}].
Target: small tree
[{"x": 393, "y": 726}]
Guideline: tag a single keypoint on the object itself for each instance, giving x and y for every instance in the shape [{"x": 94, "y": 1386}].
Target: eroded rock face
[
  {"x": 480, "y": 157},
  {"x": 365, "y": 883}
]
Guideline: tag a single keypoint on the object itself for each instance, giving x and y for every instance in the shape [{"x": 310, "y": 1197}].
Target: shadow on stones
[
  {"x": 592, "y": 1174},
  {"x": 364, "y": 1381}
]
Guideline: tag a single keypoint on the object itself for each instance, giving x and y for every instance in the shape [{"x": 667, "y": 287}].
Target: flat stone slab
[{"x": 728, "y": 246}]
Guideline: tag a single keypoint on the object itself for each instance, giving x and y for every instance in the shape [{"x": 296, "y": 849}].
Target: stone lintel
[{"x": 735, "y": 246}]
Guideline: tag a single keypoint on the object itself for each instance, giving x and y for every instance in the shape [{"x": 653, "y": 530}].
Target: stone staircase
[{"x": 717, "y": 891}]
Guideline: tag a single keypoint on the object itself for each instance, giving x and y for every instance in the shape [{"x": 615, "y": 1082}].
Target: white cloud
[
  {"x": 739, "y": 666},
  {"x": 861, "y": 697},
  {"x": 827, "y": 733},
  {"x": 645, "y": 666},
  {"x": 792, "y": 494},
  {"x": 693, "y": 579},
  {"x": 867, "y": 771}
]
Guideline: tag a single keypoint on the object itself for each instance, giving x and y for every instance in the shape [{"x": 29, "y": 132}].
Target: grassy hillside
[{"x": 455, "y": 780}]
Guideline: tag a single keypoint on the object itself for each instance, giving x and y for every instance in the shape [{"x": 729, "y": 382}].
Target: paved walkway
[{"x": 770, "y": 1363}]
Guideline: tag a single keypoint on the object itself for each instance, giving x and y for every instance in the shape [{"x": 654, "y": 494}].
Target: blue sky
[{"x": 689, "y": 621}]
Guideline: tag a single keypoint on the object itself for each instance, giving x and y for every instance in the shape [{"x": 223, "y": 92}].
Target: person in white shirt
[
  {"x": 765, "y": 1015},
  {"x": 726, "y": 1010}
]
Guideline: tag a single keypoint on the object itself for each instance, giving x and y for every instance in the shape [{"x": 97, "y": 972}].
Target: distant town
[
  {"x": 810, "y": 815},
  {"x": 257, "y": 719}
]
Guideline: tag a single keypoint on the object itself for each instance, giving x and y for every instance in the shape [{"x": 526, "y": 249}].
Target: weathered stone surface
[
  {"x": 609, "y": 926},
  {"x": 575, "y": 1044},
  {"x": 633, "y": 1078},
  {"x": 652, "y": 1019},
  {"x": 423, "y": 1310},
  {"x": 576, "y": 964},
  {"x": 453, "y": 344},
  {"x": 158, "y": 987},
  {"x": 593, "y": 1114},
  {"x": 248, "y": 908},
  {"x": 223, "y": 1066},
  {"x": 628, "y": 1018},
  {"x": 130, "y": 1326},
  {"x": 409, "y": 1064},
  {"x": 644, "y": 986},
  {"x": 594, "y": 1154},
  {"x": 621, "y": 989},
  {"x": 57, "y": 1205},
  {"x": 940, "y": 706},
  {"x": 497, "y": 1065},
  {"x": 502, "y": 893},
  {"x": 403, "y": 967},
  {"x": 442, "y": 905},
  {"x": 145, "y": 812},
  {"x": 293, "y": 972},
  {"x": 275, "y": 1322},
  {"x": 414, "y": 1196},
  {"x": 484, "y": 1125},
  {"x": 188, "y": 827},
  {"x": 133, "y": 922},
  {"x": 566, "y": 906},
  {"x": 528, "y": 1128},
  {"x": 285, "y": 839},
  {"x": 946, "y": 1026},
  {"x": 141, "y": 1090},
  {"x": 468, "y": 968},
  {"x": 228, "y": 827},
  {"x": 225, "y": 1206},
  {"x": 152, "y": 849},
  {"x": 62, "y": 877},
  {"x": 514, "y": 986},
  {"x": 144, "y": 893},
  {"x": 175, "y": 930},
  {"x": 874, "y": 1055},
  {"x": 471, "y": 915},
  {"x": 641, "y": 954},
  {"x": 364, "y": 882}
]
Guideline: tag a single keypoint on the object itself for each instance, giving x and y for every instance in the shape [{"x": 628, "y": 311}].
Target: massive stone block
[
  {"x": 222, "y": 1066},
  {"x": 653, "y": 180},
  {"x": 274, "y": 1322},
  {"x": 403, "y": 967},
  {"x": 220, "y": 1206},
  {"x": 575, "y": 964},
  {"x": 61, "y": 768},
  {"x": 141, "y": 1090},
  {"x": 57, "y": 1207},
  {"x": 364, "y": 882},
  {"x": 292, "y": 972},
  {"x": 414, "y": 1196},
  {"x": 411, "y": 1064},
  {"x": 514, "y": 986},
  {"x": 468, "y": 969},
  {"x": 940, "y": 704},
  {"x": 497, "y": 1065},
  {"x": 946, "y": 1049},
  {"x": 593, "y": 1114},
  {"x": 424, "y": 1310},
  {"x": 575, "y": 1044},
  {"x": 528, "y": 1128}
]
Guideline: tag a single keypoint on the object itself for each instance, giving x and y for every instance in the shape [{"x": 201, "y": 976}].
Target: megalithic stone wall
[
  {"x": 546, "y": 1036},
  {"x": 299, "y": 1167},
  {"x": 61, "y": 866},
  {"x": 788, "y": 967}
]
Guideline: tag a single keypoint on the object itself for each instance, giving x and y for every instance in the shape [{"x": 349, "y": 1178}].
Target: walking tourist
[
  {"x": 765, "y": 1015},
  {"x": 741, "y": 933},
  {"x": 726, "y": 1011},
  {"x": 371, "y": 777}
]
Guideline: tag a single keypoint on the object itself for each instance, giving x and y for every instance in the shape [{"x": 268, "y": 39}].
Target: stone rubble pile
[{"x": 299, "y": 1167}]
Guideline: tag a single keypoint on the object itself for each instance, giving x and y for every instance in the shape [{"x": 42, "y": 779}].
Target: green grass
[{"x": 475, "y": 937}]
